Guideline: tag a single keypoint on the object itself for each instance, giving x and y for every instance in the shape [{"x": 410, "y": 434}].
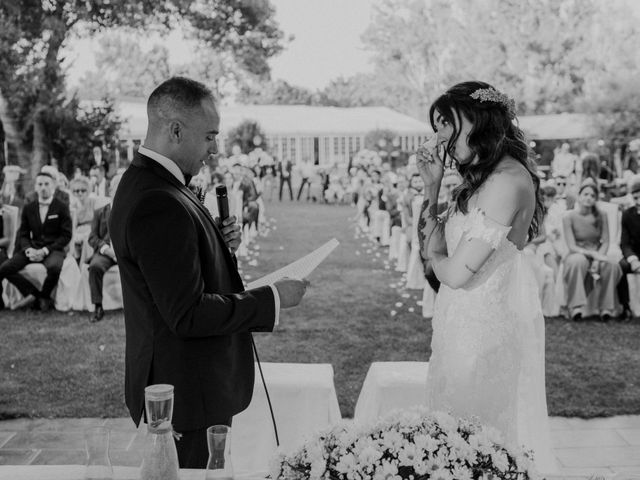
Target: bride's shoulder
[{"x": 510, "y": 175}]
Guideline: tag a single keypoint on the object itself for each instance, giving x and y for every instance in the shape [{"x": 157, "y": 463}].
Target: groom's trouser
[{"x": 193, "y": 451}]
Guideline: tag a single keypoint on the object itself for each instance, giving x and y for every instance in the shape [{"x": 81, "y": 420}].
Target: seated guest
[
  {"x": 103, "y": 257},
  {"x": 45, "y": 231},
  {"x": 630, "y": 245},
  {"x": 82, "y": 207},
  {"x": 547, "y": 242},
  {"x": 587, "y": 267}
]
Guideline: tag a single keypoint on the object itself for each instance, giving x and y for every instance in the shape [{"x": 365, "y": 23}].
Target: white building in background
[
  {"x": 327, "y": 135},
  {"x": 300, "y": 133}
]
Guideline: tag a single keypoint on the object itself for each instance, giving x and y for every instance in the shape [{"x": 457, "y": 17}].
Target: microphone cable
[{"x": 273, "y": 418}]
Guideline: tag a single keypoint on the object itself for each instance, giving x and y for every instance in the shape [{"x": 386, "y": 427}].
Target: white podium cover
[
  {"x": 76, "y": 472},
  {"x": 389, "y": 386},
  {"x": 304, "y": 401}
]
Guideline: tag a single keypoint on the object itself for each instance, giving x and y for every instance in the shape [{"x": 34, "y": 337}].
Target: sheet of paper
[{"x": 299, "y": 269}]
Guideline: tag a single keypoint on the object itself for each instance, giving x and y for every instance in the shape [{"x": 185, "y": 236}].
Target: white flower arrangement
[{"x": 407, "y": 445}]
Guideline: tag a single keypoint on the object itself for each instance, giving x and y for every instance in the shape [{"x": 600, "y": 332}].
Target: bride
[{"x": 487, "y": 356}]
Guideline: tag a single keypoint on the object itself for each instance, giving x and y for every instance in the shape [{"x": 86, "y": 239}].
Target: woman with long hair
[
  {"x": 587, "y": 266},
  {"x": 487, "y": 357}
]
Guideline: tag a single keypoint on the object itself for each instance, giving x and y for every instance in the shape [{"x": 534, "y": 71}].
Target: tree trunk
[
  {"x": 50, "y": 86},
  {"x": 13, "y": 136}
]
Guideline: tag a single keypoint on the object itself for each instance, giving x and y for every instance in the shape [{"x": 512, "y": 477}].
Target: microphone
[{"x": 223, "y": 202}]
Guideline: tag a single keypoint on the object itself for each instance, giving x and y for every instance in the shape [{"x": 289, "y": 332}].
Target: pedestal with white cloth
[
  {"x": 304, "y": 401},
  {"x": 389, "y": 386}
]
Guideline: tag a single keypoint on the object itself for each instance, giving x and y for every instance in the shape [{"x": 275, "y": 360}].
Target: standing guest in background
[
  {"x": 587, "y": 266},
  {"x": 591, "y": 168},
  {"x": 100, "y": 185},
  {"x": 103, "y": 257},
  {"x": 306, "y": 171},
  {"x": 284, "y": 172},
  {"x": 188, "y": 318},
  {"x": 630, "y": 245},
  {"x": 564, "y": 162},
  {"x": 45, "y": 231}
]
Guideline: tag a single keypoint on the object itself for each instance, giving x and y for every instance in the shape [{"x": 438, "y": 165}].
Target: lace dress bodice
[{"x": 487, "y": 357}]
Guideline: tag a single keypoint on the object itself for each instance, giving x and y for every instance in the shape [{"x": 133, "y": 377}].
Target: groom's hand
[
  {"x": 291, "y": 291},
  {"x": 231, "y": 232}
]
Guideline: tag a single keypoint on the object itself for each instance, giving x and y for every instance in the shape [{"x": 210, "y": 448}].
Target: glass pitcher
[
  {"x": 98, "y": 465},
  {"x": 219, "y": 464},
  {"x": 160, "y": 461}
]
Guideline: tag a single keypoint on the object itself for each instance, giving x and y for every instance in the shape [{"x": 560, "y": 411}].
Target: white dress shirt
[
  {"x": 43, "y": 207},
  {"x": 173, "y": 168}
]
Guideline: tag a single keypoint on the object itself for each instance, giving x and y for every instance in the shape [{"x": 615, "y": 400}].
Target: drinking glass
[
  {"x": 219, "y": 441},
  {"x": 98, "y": 466}
]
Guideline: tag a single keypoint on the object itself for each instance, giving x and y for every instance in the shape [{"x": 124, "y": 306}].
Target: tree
[
  {"x": 124, "y": 69},
  {"x": 278, "y": 92},
  {"x": 75, "y": 131},
  {"x": 243, "y": 135},
  {"x": 34, "y": 31},
  {"x": 547, "y": 55}
]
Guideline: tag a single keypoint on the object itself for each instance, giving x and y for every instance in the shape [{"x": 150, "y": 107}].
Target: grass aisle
[{"x": 59, "y": 365}]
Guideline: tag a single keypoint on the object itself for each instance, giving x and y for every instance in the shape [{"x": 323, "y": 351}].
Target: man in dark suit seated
[
  {"x": 45, "y": 230},
  {"x": 103, "y": 257},
  {"x": 188, "y": 318},
  {"x": 630, "y": 245}
]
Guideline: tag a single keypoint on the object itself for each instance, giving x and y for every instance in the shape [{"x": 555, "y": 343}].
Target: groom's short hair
[{"x": 176, "y": 95}]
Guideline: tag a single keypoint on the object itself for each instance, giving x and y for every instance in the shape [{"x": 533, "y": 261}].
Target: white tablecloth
[
  {"x": 389, "y": 386},
  {"x": 76, "y": 472},
  {"x": 304, "y": 401}
]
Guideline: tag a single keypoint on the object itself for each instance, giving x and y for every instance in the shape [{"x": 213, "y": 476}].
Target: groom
[{"x": 188, "y": 319}]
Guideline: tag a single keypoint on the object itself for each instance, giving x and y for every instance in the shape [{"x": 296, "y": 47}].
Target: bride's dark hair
[{"x": 493, "y": 136}]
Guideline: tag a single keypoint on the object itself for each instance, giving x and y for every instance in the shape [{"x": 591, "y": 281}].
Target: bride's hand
[{"x": 429, "y": 163}]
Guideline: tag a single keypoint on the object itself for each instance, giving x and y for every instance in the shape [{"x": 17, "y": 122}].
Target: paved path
[{"x": 584, "y": 448}]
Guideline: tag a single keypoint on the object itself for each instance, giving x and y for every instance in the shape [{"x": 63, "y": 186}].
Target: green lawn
[{"x": 59, "y": 365}]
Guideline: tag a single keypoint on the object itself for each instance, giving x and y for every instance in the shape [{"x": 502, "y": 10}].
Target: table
[
  {"x": 76, "y": 472},
  {"x": 304, "y": 401},
  {"x": 389, "y": 386}
]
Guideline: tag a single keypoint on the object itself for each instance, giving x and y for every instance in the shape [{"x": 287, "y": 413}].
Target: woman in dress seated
[
  {"x": 82, "y": 208},
  {"x": 587, "y": 267}
]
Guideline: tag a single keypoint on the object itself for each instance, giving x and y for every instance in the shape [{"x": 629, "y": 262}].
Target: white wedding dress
[{"x": 488, "y": 341}]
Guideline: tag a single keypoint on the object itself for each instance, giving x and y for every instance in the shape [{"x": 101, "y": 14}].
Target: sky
[
  {"x": 326, "y": 43},
  {"x": 327, "y": 40}
]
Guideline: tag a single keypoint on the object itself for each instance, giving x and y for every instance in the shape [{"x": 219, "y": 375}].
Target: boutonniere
[{"x": 199, "y": 192}]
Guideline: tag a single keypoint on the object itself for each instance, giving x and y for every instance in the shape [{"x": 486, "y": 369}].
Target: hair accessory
[{"x": 493, "y": 95}]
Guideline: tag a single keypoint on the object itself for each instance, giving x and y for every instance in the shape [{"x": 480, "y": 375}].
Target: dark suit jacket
[
  {"x": 55, "y": 233},
  {"x": 187, "y": 317},
  {"x": 630, "y": 235},
  {"x": 99, "y": 235}
]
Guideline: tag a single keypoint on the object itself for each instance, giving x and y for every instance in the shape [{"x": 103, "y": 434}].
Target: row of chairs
[
  {"x": 553, "y": 293},
  {"x": 72, "y": 291}
]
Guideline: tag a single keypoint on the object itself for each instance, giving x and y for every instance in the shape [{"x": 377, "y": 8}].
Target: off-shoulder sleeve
[{"x": 480, "y": 226}]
